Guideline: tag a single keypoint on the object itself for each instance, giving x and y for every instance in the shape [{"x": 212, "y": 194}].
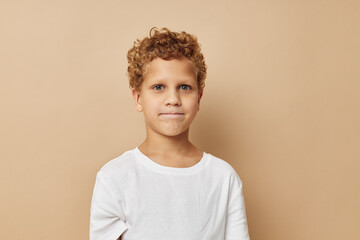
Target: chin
[{"x": 173, "y": 132}]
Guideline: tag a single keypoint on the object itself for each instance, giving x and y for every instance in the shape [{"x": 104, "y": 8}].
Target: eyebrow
[{"x": 161, "y": 80}]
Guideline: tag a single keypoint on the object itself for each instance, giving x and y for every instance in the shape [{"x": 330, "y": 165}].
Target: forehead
[{"x": 173, "y": 69}]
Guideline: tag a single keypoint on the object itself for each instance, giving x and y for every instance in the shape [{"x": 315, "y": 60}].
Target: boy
[{"x": 166, "y": 188}]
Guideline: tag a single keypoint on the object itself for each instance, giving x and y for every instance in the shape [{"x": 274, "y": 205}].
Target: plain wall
[{"x": 281, "y": 105}]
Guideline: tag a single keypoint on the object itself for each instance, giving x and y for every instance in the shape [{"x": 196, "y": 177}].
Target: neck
[{"x": 158, "y": 143}]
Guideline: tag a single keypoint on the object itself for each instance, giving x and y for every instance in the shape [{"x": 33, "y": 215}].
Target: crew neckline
[{"x": 172, "y": 170}]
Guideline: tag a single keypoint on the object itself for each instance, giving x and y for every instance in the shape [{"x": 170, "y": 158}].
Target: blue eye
[
  {"x": 185, "y": 87},
  {"x": 158, "y": 87}
]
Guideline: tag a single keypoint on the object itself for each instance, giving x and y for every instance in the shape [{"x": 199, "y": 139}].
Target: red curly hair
[{"x": 167, "y": 45}]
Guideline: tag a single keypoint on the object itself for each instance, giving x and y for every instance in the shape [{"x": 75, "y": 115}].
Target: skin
[{"x": 169, "y": 99}]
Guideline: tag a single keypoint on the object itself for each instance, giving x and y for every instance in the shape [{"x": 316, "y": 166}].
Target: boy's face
[{"x": 169, "y": 96}]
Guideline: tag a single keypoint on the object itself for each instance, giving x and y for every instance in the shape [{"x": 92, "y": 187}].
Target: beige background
[{"x": 281, "y": 105}]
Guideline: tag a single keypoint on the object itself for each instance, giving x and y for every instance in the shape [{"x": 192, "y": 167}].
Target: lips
[{"x": 171, "y": 113}]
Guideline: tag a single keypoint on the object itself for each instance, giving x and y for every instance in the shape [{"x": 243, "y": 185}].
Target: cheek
[
  {"x": 151, "y": 107},
  {"x": 192, "y": 104}
]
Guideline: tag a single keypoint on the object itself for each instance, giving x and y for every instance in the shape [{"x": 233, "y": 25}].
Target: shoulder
[
  {"x": 225, "y": 171},
  {"x": 221, "y": 166},
  {"x": 119, "y": 165}
]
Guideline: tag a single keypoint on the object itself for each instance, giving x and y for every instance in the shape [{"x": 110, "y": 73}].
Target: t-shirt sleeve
[
  {"x": 236, "y": 222},
  {"x": 107, "y": 221}
]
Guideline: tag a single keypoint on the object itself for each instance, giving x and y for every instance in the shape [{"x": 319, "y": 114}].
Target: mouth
[{"x": 171, "y": 113}]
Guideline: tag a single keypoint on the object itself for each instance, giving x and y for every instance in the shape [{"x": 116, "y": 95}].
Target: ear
[
  {"x": 137, "y": 99},
  {"x": 199, "y": 97}
]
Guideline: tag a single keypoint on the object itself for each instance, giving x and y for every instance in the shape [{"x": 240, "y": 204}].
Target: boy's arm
[
  {"x": 106, "y": 215},
  {"x": 236, "y": 222}
]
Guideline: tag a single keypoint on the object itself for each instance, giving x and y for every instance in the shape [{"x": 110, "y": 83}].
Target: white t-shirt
[{"x": 140, "y": 199}]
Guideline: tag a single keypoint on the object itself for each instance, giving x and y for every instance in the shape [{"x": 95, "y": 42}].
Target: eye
[
  {"x": 158, "y": 87},
  {"x": 185, "y": 87}
]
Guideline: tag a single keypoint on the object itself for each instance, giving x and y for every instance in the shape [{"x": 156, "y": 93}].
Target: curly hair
[{"x": 167, "y": 45}]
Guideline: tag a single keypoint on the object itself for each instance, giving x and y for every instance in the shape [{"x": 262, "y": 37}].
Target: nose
[{"x": 173, "y": 98}]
